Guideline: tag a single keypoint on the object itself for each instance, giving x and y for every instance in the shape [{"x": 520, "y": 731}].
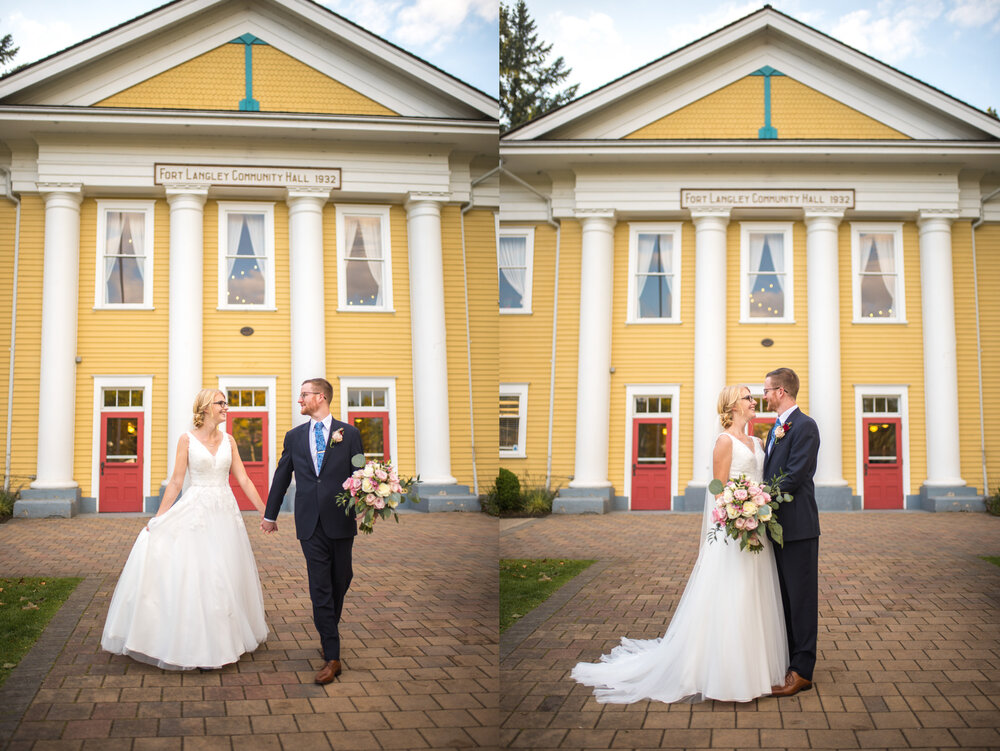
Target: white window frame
[
  {"x": 901, "y": 392},
  {"x": 142, "y": 383},
  {"x": 895, "y": 229},
  {"x": 389, "y": 384},
  {"x": 528, "y": 233},
  {"x": 520, "y": 390},
  {"x": 654, "y": 228},
  {"x": 351, "y": 209},
  {"x": 270, "y": 385},
  {"x": 632, "y": 390},
  {"x": 148, "y": 208},
  {"x": 785, "y": 228},
  {"x": 267, "y": 209}
]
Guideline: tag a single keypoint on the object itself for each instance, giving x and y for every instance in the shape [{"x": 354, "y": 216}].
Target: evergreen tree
[
  {"x": 528, "y": 87},
  {"x": 7, "y": 52}
]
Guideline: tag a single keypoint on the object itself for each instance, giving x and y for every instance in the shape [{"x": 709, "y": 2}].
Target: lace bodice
[
  {"x": 745, "y": 461},
  {"x": 205, "y": 469}
]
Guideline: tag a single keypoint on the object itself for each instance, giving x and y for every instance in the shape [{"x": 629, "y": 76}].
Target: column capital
[
  {"x": 822, "y": 216},
  {"x": 426, "y": 197},
  {"x": 61, "y": 191},
  {"x": 188, "y": 193},
  {"x": 930, "y": 217},
  {"x": 296, "y": 195},
  {"x": 710, "y": 214}
]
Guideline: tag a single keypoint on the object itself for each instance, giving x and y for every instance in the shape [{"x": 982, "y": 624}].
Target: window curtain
[
  {"x": 114, "y": 223},
  {"x": 370, "y": 230},
  {"x": 654, "y": 267},
  {"x": 512, "y": 253},
  {"x": 878, "y": 264},
  {"x": 136, "y": 222},
  {"x": 767, "y": 265}
]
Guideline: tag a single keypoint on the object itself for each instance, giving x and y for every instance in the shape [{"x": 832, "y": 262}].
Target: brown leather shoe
[
  {"x": 330, "y": 671},
  {"x": 793, "y": 684}
]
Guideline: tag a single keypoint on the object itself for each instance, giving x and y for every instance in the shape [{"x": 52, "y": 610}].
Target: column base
[
  {"x": 583, "y": 500},
  {"x": 435, "y": 497},
  {"x": 41, "y": 503},
  {"x": 835, "y": 498},
  {"x": 953, "y": 498},
  {"x": 692, "y": 500}
]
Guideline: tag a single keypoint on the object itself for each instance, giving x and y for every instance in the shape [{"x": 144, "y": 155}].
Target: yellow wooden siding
[
  {"x": 737, "y": 111},
  {"x": 567, "y": 351},
  {"x": 883, "y": 354},
  {"x": 798, "y": 111},
  {"x": 525, "y": 357},
  {"x": 348, "y": 333},
  {"x": 283, "y": 84},
  {"x": 7, "y": 219},
  {"x": 215, "y": 80},
  {"x": 651, "y": 353},
  {"x": 24, "y": 426},
  {"x": 988, "y": 265},
  {"x": 121, "y": 342},
  {"x": 480, "y": 243}
]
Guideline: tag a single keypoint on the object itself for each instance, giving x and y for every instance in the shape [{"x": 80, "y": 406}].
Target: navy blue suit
[
  {"x": 798, "y": 561},
  {"x": 325, "y": 530}
]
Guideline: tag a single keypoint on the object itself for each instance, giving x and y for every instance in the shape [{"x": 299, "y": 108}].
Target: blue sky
[{"x": 953, "y": 45}]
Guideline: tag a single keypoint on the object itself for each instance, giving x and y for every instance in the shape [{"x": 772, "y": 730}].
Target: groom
[
  {"x": 792, "y": 446},
  {"x": 319, "y": 454}
]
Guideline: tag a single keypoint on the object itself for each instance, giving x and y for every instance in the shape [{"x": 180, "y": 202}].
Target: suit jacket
[
  {"x": 795, "y": 454},
  {"x": 315, "y": 495}
]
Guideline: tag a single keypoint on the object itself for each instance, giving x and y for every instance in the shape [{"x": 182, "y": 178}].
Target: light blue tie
[
  {"x": 770, "y": 436},
  {"x": 320, "y": 445}
]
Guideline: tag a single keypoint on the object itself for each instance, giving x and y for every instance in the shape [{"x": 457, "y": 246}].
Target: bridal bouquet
[
  {"x": 745, "y": 508},
  {"x": 374, "y": 491}
]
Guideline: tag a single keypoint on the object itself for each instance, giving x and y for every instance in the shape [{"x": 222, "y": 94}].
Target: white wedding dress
[
  {"x": 726, "y": 640},
  {"x": 189, "y": 595}
]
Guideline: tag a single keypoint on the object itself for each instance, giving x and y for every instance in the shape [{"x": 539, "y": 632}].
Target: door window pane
[
  {"x": 372, "y": 436},
  {"x": 122, "y": 441},
  {"x": 881, "y": 443},
  {"x": 652, "y": 448},
  {"x": 248, "y": 432}
]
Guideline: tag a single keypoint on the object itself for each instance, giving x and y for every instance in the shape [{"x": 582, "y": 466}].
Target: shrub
[
  {"x": 538, "y": 501},
  {"x": 508, "y": 491},
  {"x": 7, "y": 498},
  {"x": 993, "y": 503}
]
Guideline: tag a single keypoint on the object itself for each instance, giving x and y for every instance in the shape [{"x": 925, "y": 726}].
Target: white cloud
[
  {"x": 377, "y": 16},
  {"x": 37, "y": 39},
  {"x": 431, "y": 24},
  {"x": 974, "y": 13},
  {"x": 893, "y": 32}
]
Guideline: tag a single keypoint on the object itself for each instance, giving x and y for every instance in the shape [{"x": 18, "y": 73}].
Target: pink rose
[
  {"x": 741, "y": 523},
  {"x": 347, "y": 484},
  {"x": 753, "y": 539},
  {"x": 751, "y": 523},
  {"x": 766, "y": 497},
  {"x": 337, "y": 436},
  {"x": 719, "y": 514},
  {"x": 370, "y": 499},
  {"x": 379, "y": 503},
  {"x": 740, "y": 494},
  {"x": 381, "y": 474},
  {"x": 759, "y": 500},
  {"x": 754, "y": 490}
]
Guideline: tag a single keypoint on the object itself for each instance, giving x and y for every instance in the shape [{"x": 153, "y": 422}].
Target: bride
[
  {"x": 189, "y": 595},
  {"x": 727, "y": 639}
]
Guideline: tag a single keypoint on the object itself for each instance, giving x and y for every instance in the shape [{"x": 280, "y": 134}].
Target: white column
[
  {"x": 823, "y": 293},
  {"x": 428, "y": 335},
  {"x": 940, "y": 359},
  {"x": 305, "y": 261},
  {"x": 60, "y": 301},
  {"x": 184, "y": 367},
  {"x": 709, "y": 337},
  {"x": 593, "y": 377}
]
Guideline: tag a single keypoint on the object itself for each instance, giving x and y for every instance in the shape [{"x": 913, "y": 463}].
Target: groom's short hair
[
  {"x": 323, "y": 386},
  {"x": 786, "y": 379}
]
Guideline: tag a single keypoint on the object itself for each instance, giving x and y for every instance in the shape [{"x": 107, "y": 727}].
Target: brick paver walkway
[
  {"x": 420, "y": 649},
  {"x": 909, "y": 638}
]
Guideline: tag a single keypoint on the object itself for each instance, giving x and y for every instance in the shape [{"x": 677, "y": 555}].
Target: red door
[
  {"x": 249, "y": 430},
  {"x": 374, "y": 427},
  {"x": 650, "y": 463},
  {"x": 121, "y": 461},
  {"x": 883, "y": 465},
  {"x": 760, "y": 427}
]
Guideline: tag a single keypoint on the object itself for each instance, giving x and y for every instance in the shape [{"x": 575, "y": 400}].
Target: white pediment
[
  {"x": 178, "y": 32},
  {"x": 765, "y": 38}
]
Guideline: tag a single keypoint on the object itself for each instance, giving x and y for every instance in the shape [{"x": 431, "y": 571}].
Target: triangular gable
[
  {"x": 825, "y": 90},
  {"x": 342, "y": 68},
  {"x": 768, "y": 105},
  {"x": 246, "y": 74}
]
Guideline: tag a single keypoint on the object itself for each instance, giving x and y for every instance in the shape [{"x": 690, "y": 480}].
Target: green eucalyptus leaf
[
  {"x": 715, "y": 486},
  {"x": 358, "y": 460}
]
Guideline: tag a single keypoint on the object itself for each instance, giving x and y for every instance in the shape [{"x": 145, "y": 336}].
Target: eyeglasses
[
  {"x": 748, "y": 398},
  {"x": 776, "y": 388},
  {"x": 220, "y": 404},
  {"x": 304, "y": 394}
]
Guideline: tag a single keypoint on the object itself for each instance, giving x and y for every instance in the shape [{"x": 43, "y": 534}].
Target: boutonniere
[
  {"x": 779, "y": 432},
  {"x": 337, "y": 436}
]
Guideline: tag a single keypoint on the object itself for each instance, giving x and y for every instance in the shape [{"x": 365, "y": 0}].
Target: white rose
[
  {"x": 367, "y": 485},
  {"x": 368, "y": 471},
  {"x": 383, "y": 489}
]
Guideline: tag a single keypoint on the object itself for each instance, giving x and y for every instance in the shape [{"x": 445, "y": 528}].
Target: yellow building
[
  {"x": 243, "y": 194},
  {"x": 763, "y": 197}
]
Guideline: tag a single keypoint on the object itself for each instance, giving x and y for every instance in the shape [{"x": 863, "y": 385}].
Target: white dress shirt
[{"x": 327, "y": 423}]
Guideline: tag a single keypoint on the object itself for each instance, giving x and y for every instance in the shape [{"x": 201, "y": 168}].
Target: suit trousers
[
  {"x": 328, "y": 562},
  {"x": 798, "y": 576}
]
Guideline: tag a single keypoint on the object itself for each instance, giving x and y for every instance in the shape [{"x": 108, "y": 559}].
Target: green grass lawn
[
  {"x": 994, "y": 559},
  {"x": 526, "y": 584},
  {"x": 26, "y": 606}
]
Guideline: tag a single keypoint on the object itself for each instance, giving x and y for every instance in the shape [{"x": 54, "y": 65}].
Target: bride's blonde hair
[
  {"x": 729, "y": 397},
  {"x": 201, "y": 402}
]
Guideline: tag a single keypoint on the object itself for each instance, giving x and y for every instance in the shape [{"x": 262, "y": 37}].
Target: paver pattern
[
  {"x": 420, "y": 649},
  {"x": 909, "y": 638}
]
